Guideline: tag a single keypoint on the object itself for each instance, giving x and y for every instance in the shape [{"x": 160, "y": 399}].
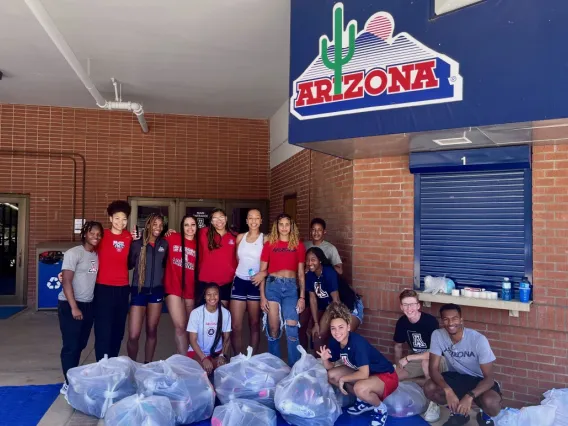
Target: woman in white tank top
[{"x": 245, "y": 294}]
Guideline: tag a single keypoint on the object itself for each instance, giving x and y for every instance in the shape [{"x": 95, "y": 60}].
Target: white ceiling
[{"x": 203, "y": 57}]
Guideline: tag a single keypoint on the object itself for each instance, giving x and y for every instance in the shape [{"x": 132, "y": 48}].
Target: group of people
[{"x": 210, "y": 277}]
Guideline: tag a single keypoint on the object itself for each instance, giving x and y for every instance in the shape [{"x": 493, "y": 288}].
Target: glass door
[
  {"x": 144, "y": 207},
  {"x": 13, "y": 249},
  {"x": 199, "y": 208},
  {"x": 237, "y": 214}
]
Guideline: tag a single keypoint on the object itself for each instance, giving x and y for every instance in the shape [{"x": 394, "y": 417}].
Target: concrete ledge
[{"x": 514, "y": 307}]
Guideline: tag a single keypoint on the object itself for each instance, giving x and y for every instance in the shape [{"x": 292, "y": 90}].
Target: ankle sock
[{"x": 382, "y": 407}]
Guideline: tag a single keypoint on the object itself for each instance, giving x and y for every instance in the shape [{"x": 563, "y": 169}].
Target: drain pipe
[{"x": 49, "y": 26}]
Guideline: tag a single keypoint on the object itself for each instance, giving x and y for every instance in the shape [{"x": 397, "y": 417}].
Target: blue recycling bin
[{"x": 49, "y": 258}]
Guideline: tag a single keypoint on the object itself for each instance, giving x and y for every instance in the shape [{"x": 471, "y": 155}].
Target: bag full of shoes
[
  {"x": 406, "y": 401},
  {"x": 243, "y": 412},
  {"x": 93, "y": 388},
  {"x": 305, "y": 398},
  {"x": 140, "y": 410},
  {"x": 183, "y": 382},
  {"x": 250, "y": 377}
]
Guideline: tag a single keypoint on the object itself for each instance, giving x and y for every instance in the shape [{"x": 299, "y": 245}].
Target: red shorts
[
  {"x": 175, "y": 289},
  {"x": 391, "y": 383}
]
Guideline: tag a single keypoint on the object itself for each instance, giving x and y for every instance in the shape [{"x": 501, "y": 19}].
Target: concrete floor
[{"x": 31, "y": 342}]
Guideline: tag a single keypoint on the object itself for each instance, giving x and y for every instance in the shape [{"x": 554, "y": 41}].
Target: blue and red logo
[{"x": 372, "y": 70}]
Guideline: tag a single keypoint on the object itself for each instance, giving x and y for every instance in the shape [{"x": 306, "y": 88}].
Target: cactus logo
[{"x": 372, "y": 70}]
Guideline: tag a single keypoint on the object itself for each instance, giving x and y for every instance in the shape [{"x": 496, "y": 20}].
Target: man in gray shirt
[
  {"x": 469, "y": 378},
  {"x": 318, "y": 232}
]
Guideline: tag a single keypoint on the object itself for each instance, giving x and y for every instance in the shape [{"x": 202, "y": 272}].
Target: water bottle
[
  {"x": 506, "y": 293},
  {"x": 525, "y": 292},
  {"x": 251, "y": 273}
]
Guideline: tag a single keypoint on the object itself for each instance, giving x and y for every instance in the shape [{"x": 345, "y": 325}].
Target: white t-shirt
[{"x": 204, "y": 323}]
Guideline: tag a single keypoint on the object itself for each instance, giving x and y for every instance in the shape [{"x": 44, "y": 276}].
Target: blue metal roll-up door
[{"x": 474, "y": 227}]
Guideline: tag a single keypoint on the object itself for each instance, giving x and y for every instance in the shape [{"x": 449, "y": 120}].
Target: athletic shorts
[
  {"x": 391, "y": 383},
  {"x": 461, "y": 384},
  {"x": 145, "y": 297},
  {"x": 414, "y": 368},
  {"x": 244, "y": 290}
]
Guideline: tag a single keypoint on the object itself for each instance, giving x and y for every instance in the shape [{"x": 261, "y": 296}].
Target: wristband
[{"x": 204, "y": 358}]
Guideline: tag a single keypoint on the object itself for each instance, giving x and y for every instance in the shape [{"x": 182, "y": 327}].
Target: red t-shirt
[
  {"x": 113, "y": 258},
  {"x": 218, "y": 265},
  {"x": 172, "y": 274},
  {"x": 281, "y": 258}
]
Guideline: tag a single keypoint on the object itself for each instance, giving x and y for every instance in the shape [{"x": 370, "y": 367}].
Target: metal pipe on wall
[
  {"x": 52, "y": 31},
  {"x": 62, "y": 154}
]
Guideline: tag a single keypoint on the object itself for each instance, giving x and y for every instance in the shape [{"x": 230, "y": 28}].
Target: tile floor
[{"x": 30, "y": 347}]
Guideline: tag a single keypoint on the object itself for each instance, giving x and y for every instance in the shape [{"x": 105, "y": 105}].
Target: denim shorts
[
  {"x": 358, "y": 310},
  {"x": 283, "y": 291}
]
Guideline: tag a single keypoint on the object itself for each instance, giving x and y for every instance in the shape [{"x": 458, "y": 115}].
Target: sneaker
[
  {"x": 457, "y": 420},
  {"x": 379, "y": 417},
  {"x": 64, "y": 389},
  {"x": 432, "y": 414},
  {"x": 359, "y": 407},
  {"x": 482, "y": 422}
]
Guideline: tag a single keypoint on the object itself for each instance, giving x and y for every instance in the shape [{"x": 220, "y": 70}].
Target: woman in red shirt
[
  {"x": 217, "y": 256},
  {"x": 112, "y": 291},
  {"x": 282, "y": 259},
  {"x": 180, "y": 286}
]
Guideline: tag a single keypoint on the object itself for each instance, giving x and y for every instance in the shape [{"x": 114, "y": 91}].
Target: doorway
[
  {"x": 291, "y": 206},
  {"x": 14, "y": 217},
  {"x": 173, "y": 209}
]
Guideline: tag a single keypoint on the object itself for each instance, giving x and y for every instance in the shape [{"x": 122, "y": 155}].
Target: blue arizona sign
[
  {"x": 372, "y": 70},
  {"x": 366, "y": 68}
]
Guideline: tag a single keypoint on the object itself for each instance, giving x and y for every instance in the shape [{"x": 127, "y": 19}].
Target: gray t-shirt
[
  {"x": 85, "y": 264},
  {"x": 467, "y": 355},
  {"x": 328, "y": 249}
]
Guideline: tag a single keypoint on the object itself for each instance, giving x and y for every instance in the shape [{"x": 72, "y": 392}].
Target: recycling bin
[{"x": 49, "y": 258}]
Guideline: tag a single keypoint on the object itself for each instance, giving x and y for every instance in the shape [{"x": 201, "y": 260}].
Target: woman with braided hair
[
  {"x": 75, "y": 302},
  {"x": 148, "y": 257}
]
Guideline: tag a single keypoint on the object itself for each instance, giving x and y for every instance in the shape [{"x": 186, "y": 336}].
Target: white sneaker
[
  {"x": 64, "y": 389},
  {"x": 432, "y": 414}
]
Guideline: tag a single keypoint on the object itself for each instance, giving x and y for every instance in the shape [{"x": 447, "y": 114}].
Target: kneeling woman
[
  {"x": 148, "y": 257},
  {"x": 209, "y": 330},
  {"x": 325, "y": 285},
  {"x": 366, "y": 373}
]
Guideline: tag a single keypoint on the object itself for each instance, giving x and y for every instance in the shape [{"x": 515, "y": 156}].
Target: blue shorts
[
  {"x": 142, "y": 299},
  {"x": 245, "y": 290}
]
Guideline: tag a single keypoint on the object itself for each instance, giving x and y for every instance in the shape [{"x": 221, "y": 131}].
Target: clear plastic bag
[
  {"x": 305, "y": 398},
  {"x": 558, "y": 398},
  {"x": 93, "y": 388},
  {"x": 250, "y": 377},
  {"x": 437, "y": 285},
  {"x": 183, "y": 382},
  {"x": 538, "y": 415},
  {"x": 407, "y": 400},
  {"x": 243, "y": 412},
  {"x": 139, "y": 410}
]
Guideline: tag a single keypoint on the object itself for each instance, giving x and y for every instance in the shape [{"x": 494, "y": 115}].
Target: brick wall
[
  {"x": 324, "y": 188},
  {"x": 531, "y": 350},
  {"x": 182, "y": 156}
]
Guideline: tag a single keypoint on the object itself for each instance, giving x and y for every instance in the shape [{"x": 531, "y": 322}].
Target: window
[{"x": 473, "y": 216}]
